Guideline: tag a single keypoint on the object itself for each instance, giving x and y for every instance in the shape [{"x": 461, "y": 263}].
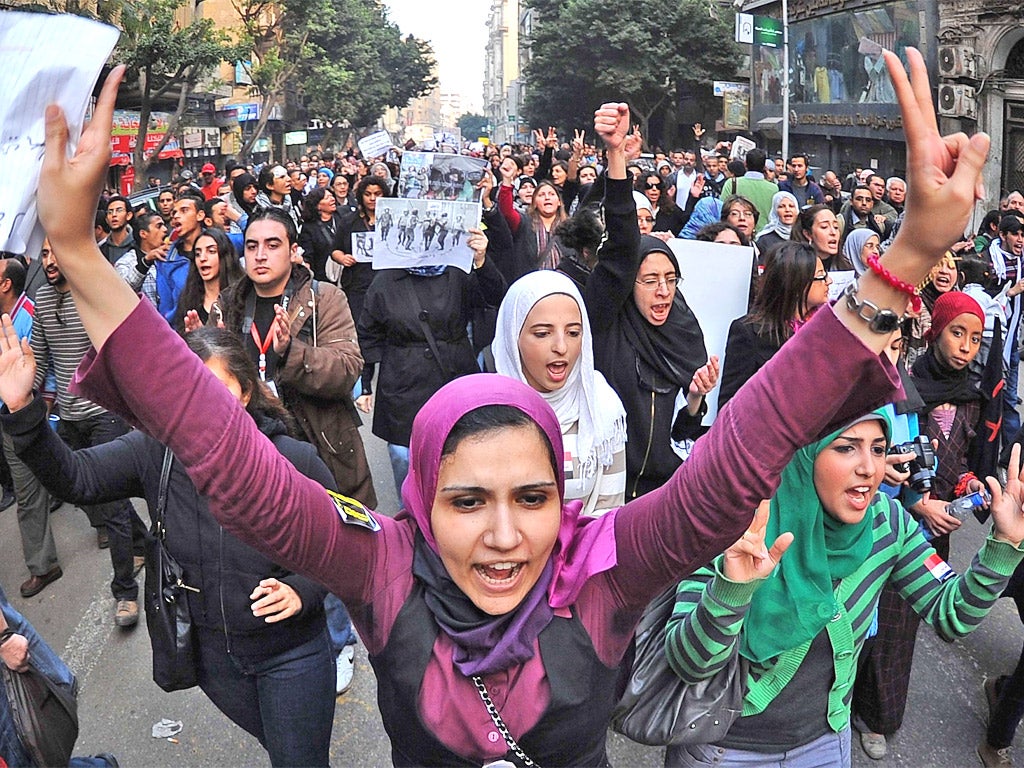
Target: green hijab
[{"x": 798, "y": 600}]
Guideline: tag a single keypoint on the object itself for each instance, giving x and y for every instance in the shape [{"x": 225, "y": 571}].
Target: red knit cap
[{"x": 948, "y": 306}]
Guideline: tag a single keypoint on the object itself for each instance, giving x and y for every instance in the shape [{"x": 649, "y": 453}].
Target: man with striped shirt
[{"x": 58, "y": 337}]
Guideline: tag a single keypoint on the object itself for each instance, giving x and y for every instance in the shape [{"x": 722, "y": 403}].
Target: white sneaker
[{"x": 346, "y": 665}]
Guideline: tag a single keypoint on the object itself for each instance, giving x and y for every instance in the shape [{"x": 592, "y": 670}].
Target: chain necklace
[{"x": 500, "y": 724}]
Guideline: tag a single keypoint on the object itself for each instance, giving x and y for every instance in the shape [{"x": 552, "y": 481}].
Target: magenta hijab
[{"x": 585, "y": 546}]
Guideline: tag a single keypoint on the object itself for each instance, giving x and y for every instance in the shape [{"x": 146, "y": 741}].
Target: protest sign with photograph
[
  {"x": 420, "y": 233},
  {"x": 440, "y": 176},
  {"x": 716, "y": 285}
]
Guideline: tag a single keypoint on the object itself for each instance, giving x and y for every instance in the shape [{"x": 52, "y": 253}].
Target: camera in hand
[
  {"x": 973, "y": 503},
  {"x": 921, "y": 467}
]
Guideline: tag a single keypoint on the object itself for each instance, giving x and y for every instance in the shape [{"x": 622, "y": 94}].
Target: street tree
[
  {"x": 359, "y": 64},
  {"x": 169, "y": 50},
  {"x": 472, "y": 125},
  {"x": 648, "y": 54}
]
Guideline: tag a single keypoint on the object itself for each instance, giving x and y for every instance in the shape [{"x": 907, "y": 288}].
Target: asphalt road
[{"x": 119, "y": 703}]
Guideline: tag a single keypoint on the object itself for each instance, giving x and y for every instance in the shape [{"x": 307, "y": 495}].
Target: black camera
[{"x": 922, "y": 466}]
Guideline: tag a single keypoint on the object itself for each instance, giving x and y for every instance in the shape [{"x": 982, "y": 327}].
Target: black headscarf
[
  {"x": 667, "y": 355},
  {"x": 937, "y": 383},
  {"x": 238, "y": 185}
]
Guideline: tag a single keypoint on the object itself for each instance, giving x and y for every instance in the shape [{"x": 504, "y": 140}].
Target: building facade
[
  {"x": 842, "y": 108},
  {"x": 502, "y": 87}
]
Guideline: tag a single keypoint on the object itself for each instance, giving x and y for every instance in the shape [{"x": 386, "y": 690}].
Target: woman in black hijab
[{"x": 647, "y": 341}]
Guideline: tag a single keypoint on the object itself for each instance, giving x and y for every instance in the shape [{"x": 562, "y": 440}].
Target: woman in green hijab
[{"x": 801, "y": 620}]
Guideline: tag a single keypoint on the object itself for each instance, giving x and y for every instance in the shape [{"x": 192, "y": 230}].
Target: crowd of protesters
[{"x": 544, "y": 414}]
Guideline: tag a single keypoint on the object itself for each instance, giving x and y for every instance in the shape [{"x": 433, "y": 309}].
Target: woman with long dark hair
[
  {"x": 819, "y": 227},
  {"x": 320, "y": 236},
  {"x": 356, "y": 276},
  {"x": 214, "y": 267},
  {"x": 793, "y": 286}
]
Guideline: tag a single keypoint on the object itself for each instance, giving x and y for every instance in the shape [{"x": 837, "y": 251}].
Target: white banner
[{"x": 716, "y": 284}]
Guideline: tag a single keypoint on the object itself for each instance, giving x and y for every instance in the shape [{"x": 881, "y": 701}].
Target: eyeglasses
[
  {"x": 652, "y": 283},
  {"x": 652, "y": 185},
  {"x": 821, "y": 278}
]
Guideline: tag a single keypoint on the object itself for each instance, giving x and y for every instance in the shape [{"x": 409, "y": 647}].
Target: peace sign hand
[
  {"x": 748, "y": 559},
  {"x": 634, "y": 144},
  {"x": 943, "y": 172}
]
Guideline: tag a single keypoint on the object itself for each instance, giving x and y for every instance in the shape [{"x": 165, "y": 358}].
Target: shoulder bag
[
  {"x": 45, "y": 715},
  {"x": 660, "y": 709},
  {"x": 166, "y": 602}
]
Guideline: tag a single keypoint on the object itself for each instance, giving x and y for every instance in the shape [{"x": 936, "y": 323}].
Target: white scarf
[{"x": 586, "y": 398}]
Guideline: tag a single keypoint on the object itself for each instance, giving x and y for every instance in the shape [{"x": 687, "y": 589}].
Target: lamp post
[{"x": 785, "y": 80}]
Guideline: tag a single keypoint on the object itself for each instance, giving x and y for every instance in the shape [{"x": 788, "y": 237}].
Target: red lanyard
[{"x": 262, "y": 345}]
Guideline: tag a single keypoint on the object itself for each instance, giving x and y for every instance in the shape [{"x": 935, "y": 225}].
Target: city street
[{"x": 119, "y": 703}]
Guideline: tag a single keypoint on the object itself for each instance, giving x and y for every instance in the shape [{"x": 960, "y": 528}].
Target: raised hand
[
  {"x": 943, "y": 172},
  {"x": 578, "y": 143},
  {"x": 477, "y": 241},
  {"x": 552, "y": 138},
  {"x": 611, "y": 123},
  {"x": 70, "y": 186},
  {"x": 17, "y": 367},
  {"x": 749, "y": 558},
  {"x": 698, "y": 131},
  {"x": 634, "y": 144}
]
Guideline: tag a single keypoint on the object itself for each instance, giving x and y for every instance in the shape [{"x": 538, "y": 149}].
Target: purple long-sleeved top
[{"x": 821, "y": 379}]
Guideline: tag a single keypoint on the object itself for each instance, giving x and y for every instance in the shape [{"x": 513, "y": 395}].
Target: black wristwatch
[{"x": 879, "y": 320}]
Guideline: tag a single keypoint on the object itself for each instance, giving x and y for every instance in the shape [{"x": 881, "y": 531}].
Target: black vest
[{"x": 572, "y": 730}]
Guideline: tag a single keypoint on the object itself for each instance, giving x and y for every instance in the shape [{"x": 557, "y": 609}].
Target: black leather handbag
[
  {"x": 166, "y": 604},
  {"x": 658, "y": 708},
  {"x": 45, "y": 715}
]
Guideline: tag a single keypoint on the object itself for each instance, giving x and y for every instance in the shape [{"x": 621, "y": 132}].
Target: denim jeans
[
  {"x": 48, "y": 663},
  {"x": 286, "y": 701},
  {"x": 399, "y": 455},
  {"x": 829, "y": 751},
  {"x": 339, "y": 625},
  {"x": 1011, "y": 419},
  {"x": 125, "y": 528}
]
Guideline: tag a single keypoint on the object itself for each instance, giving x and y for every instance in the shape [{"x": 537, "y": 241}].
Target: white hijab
[{"x": 585, "y": 398}]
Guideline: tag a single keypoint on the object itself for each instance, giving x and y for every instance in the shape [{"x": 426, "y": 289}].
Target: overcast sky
[{"x": 457, "y": 30}]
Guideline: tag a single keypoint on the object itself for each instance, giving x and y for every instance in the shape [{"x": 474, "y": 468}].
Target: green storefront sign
[{"x": 767, "y": 31}]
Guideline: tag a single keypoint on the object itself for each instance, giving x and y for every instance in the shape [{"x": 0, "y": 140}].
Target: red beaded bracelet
[{"x": 904, "y": 287}]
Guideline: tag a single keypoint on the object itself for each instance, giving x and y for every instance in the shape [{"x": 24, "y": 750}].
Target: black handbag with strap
[
  {"x": 658, "y": 708},
  {"x": 166, "y": 602}
]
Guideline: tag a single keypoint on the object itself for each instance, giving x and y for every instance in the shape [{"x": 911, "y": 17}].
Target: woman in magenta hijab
[{"x": 495, "y": 618}]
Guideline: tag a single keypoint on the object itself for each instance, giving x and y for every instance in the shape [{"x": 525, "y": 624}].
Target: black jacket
[
  {"x": 745, "y": 354},
  {"x": 317, "y": 243},
  {"x": 223, "y": 568},
  {"x": 391, "y": 333}
]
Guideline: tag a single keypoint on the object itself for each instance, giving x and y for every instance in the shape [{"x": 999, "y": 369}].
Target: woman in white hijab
[
  {"x": 781, "y": 218},
  {"x": 543, "y": 339}
]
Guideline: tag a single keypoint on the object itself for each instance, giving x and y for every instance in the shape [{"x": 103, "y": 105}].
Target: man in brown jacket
[{"x": 302, "y": 337}]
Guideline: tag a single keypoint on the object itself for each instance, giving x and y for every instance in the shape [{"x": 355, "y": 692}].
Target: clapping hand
[
  {"x": 281, "y": 330},
  {"x": 749, "y": 558},
  {"x": 17, "y": 367}
]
